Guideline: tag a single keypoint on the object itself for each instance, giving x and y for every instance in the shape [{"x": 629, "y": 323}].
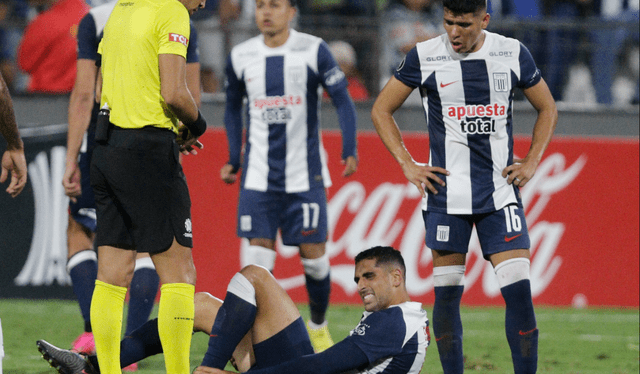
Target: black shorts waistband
[{"x": 146, "y": 138}]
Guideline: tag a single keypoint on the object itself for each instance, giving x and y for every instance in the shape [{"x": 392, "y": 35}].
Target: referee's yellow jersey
[{"x": 136, "y": 33}]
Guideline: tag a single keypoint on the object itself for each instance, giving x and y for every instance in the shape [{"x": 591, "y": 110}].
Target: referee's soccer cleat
[
  {"x": 320, "y": 336},
  {"x": 63, "y": 360}
]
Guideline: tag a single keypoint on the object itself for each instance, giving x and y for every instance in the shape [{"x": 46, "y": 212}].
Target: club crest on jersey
[
  {"x": 500, "y": 82},
  {"x": 296, "y": 74},
  {"x": 179, "y": 39}
]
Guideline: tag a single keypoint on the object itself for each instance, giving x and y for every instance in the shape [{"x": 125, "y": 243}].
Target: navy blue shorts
[
  {"x": 142, "y": 198},
  {"x": 301, "y": 217},
  {"x": 290, "y": 343},
  {"x": 498, "y": 231}
]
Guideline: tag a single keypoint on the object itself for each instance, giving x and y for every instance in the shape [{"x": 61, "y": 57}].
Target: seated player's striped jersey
[
  {"x": 468, "y": 101},
  {"x": 395, "y": 339},
  {"x": 283, "y": 87}
]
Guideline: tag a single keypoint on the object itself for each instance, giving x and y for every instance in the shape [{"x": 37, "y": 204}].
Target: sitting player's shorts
[
  {"x": 498, "y": 231},
  {"x": 83, "y": 210},
  {"x": 142, "y": 198},
  {"x": 290, "y": 343},
  {"x": 301, "y": 217}
]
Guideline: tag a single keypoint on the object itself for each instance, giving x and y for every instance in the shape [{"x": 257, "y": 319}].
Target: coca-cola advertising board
[{"x": 581, "y": 209}]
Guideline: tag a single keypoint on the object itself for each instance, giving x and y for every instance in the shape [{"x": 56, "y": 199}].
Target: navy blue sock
[
  {"x": 83, "y": 277},
  {"x": 319, "y": 291},
  {"x": 140, "y": 343},
  {"x": 520, "y": 326},
  {"x": 142, "y": 295},
  {"x": 447, "y": 327},
  {"x": 235, "y": 318}
]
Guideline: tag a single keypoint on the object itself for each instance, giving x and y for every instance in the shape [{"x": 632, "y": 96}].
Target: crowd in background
[{"x": 587, "y": 49}]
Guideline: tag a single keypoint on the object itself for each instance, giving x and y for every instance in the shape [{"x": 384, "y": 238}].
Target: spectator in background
[
  {"x": 405, "y": 23},
  {"x": 345, "y": 56},
  {"x": 609, "y": 43},
  {"x": 47, "y": 51},
  {"x": 6, "y": 55},
  {"x": 562, "y": 44},
  {"x": 222, "y": 24}
]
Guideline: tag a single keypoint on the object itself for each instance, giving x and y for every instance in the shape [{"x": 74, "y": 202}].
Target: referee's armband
[{"x": 197, "y": 127}]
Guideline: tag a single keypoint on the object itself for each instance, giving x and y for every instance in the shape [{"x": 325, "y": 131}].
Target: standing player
[
  {"x": 281, "y": 73},
  {"x": 83, "y": 111},
  {"x": 466, "y": 78},
  {"x": 13, "y": 160},
  {"x": 142, "y": 198},
  {"x": 258, "y": 327}
]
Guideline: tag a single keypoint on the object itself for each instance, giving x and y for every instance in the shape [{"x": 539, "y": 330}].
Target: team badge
[
  {"x": 296, "y": 74},
  {"x": 501, "y": 82}
]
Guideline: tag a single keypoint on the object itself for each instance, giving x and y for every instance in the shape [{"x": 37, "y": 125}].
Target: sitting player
[{"x": 258, "y": 327}]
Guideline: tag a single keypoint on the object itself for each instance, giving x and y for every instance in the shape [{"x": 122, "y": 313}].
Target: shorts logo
[
  {"x": 245, "y": 223},
  {"x": 442, "y": 233},
  {"x": 501, "y": 82},
  {"x": 179, "y": 38},
  {"x": 188, "y": 228}
]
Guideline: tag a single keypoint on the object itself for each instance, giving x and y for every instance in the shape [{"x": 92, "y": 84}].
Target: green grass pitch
[{"x": 587, "y": 341}]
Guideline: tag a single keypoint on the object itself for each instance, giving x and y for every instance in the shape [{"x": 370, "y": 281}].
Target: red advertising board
[{"x": 581, "y": 209}]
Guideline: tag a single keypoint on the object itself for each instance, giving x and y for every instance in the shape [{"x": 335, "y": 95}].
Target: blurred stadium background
[{"x": 583, "y": 209}]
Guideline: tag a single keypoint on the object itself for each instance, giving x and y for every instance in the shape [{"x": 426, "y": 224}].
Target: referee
[{"x": 142, "y": 199}]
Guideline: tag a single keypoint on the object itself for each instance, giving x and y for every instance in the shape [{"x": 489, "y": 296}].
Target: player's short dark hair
[
  {"x": 464, "y": 6},
  {"x": 383, "y": 256}
]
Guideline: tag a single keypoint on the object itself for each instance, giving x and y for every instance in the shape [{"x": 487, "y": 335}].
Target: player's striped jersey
[
  {"x": 283, "y": 87},
  {"x": 468, "y": 101},
  {"x": 395, "y": 339}
]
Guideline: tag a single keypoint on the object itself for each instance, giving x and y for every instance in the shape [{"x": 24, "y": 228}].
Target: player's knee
[
  {"x": 512, "y": 271},
  {"x": 317, "y": 268},
  {"x": 445, "y": 276},
  {"x": 256, "y": 273}
]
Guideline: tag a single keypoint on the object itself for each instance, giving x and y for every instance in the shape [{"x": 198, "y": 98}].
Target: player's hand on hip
[
  {"x": 14, "y": 162},
  {"x": 424, "y": 176},
  {"x": 520, "y": 172},
  {"x": 350, "y": 166},
  {"x": 227, "y": 174},
  {"x": 208, "y": 370},
  {"x": 71, "y": 181}
]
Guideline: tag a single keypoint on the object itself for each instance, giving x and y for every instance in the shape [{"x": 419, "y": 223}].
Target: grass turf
[{"x": 587, "y": 341}]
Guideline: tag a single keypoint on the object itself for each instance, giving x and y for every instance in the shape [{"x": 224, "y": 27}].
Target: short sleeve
[
  {"x": 529, "y": 72},
  {"x": 87, "y": 38},
  {"x": 408, "y": 72},
  {"x": 380, "y": 335},
  {"x": 173, "y": 29}
]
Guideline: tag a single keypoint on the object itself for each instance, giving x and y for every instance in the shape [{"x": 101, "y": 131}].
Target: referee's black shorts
[{"x": 142, "y": 198}]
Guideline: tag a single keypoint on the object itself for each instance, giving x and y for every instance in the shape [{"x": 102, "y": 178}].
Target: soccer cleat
[
  {"x": 320, "y": 337},
  {"x": 63, "y": 360},
  {"x": 130, "y": 368},
  {"x": 85, "y": 344}
]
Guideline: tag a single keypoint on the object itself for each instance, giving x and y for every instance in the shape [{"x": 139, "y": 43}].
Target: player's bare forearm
[
  {"x": 208, "y": 370},
  {"x": 8, "y": 125},
  {"x": 521, "y": 171},
  {"x": 81, "y": 104}
]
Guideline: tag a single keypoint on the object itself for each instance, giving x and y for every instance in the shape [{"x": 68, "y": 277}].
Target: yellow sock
[
  {"x": 175, "y": 325},
  {"x": 106, "y": 322}
]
